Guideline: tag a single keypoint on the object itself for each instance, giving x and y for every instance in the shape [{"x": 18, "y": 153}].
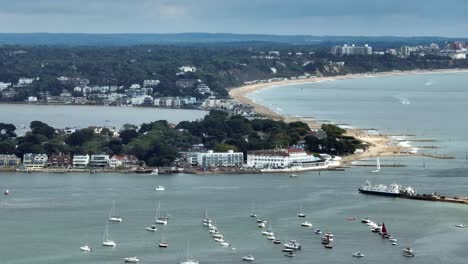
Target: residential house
[
  {"x": 60, "y": 160},
  {"x": 99, "y": 161},
  {"x": 81, "y": 161},
  {"x": 150, "y": 83},
  {"x": 34, "y": 161},
  {"x": 184, "y": 69},
  {"x": 123, "y": 161},
  {"x": 9, "y": 161}
]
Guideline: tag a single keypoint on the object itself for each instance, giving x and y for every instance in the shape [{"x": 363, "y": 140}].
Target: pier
[{"x": 436, "y": 198}]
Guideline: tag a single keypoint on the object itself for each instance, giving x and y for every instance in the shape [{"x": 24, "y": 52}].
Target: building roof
[{"x": 269, "y": 152}]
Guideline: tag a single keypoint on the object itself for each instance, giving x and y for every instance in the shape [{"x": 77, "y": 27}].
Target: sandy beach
[{"x": 379, "y": 144}]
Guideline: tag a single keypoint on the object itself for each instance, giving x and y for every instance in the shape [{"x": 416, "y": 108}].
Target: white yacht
[
  {"x": 107, "y": 242},
  {"x": 293, "y": 244},
  {"x": 306, "y": 224},
  {"x": 271, "y": 237},
  {"x": 408, "y": 250},
  {"x": 160, "y": 220},
  {"x": 358, "y": 255},
  {"x": 301, "y": 214},
  {"x": 460, "y": 226},
  {"x": 252, "y": 212},
  {"x": 160, "y": 188},
  {"x": 318, "y": 231},
  {"x": 85, "y": 248},
  {"x": 151, "y": 228},
  {"x": 162, "y": 242},
  {"x": 206, "y": 220},
  {"x": 113, "y": 217},
  {"x": 225, "y": 244},
  {"x": 261, "y": 224},
  {"x": 248, "y": 258},
  {"x": 131, "y": 260},
  {"x": 189, "y": 260},
  {"x": 268, "y": 232}
]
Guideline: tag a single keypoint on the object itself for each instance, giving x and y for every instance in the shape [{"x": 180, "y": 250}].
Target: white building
[
  {"x": 123, "y": 161},
  {"x": 150, "y": 83},
  {"x": 100, "y": 161},
  {"x": 32, "y": 99},
  {"x": 34, "y": 161},
  {"x": 279, "y": 159},
  {"x": 4, "y": 85},
  {"x": 23, "y": 81},
  {"x": 220, "y": 159},
  {"x": 184, "y": 69},
  {"x": 80, "y": 161}
]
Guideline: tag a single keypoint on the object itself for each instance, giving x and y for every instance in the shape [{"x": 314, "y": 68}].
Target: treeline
[{"x": 159, "y": 143}]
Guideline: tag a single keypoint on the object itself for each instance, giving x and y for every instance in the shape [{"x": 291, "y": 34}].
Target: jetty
[{"x": 434, "y": 197}]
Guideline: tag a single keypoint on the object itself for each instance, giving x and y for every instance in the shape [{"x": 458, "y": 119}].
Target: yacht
[
  {"x": 329, "y": 246},
  {"x": 160, "y": 188},
  {"x": 252, "y": 212},
  {"x": 206, "y": 220},
  {"x": 151, "y": 228},
  {"x": 6, "y": 192},
  {"x": 85, "y": 248},
  {"x": 288, "y": 250},
  {"x": 277, "y": 241},
  {"x": 271, "y": 237},
  {"x": 113, "y": 217},
  {"x": 365, "y": 220},
  {"x": 131, "y": 260},
  {"x": 160, "y": 220},
  {"x": 318, "y": 231},
  {"x": 293, "y": 244},
  {"x": 268, "y": 232},
  {"x": 189, "y": 260},
  {"x": 107, "y": 242},
  {"x": 358, "y": 255},
  {"x": 248, "y": 258},
  {"x": 306, "y": 224},
  {"x": 225, "y": 244},
  {"x": 261, "y": 224},
  {"x": 220, "y": 240},
  {"x": 408, "y": 250},
  {"x": 377, "y": 170},
  {"x": 460, "y": 226},
  {"x": 301, "y": 214},
  {"x": 162, "y": 242}
]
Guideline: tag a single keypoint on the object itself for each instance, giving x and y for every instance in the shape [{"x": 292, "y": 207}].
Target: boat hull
[{"x": 388, "y": 194}]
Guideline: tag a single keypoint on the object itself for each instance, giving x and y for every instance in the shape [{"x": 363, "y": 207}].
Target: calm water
[
  {"x": 49, "y": 216},
  {"x": 62, "y": 116}
]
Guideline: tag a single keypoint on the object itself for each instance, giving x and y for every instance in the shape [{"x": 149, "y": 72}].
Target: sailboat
[
  {"x": 188, "y": 259},
  {"x": 383, "y": 231},
  {"x": 160, "y": 220},
  {"x": 301, "y": 214},
  {"x": 162, "y": 242},
  {"x": 252, "y": 212},
  {"x": 112, "y": 216},
  {"x": 107, "y": 242},
  {"x": 378, "y": 166},
  {"x": 206, "y": 219}
]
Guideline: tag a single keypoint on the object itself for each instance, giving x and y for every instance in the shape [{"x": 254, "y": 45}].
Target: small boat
[
  {"x": 131, "y": 260},
  {"x": 160, "y": 220},
  {"x": 271, "y": 237},
  {"x": 220, "y": 240},
  {"x": 113, "y": 217},
  {"x": 277, "y": 241},
  {"x": 358, "y": 255},
  {"x": 301, "y": 214},
  {"x": 252, "y": 212},
  {"x": 325, "y": 241},
  {"x": 261, "y": 225},
  {"x": 155, "y": 172},
  {"x": 318, "y": 231},
  {"x": 394, "y": 244},
  {"x": 160, "y": 188},
  {"x": 85, "y": 248},
  {"x": 107, "y": 242},
  {"x": 392, "y": 240},
  {"x": 383, "y": 231},
  {"x": 207, "y": 221},
  {"x": 151, "y": 228},
  {"x": 288, "y": 250},
  {"x": 377, "y": 170},
  {"x": 290, "y": 254},
  {"x": 351, "y": 218},
  {"x": 253, "y": 215},
  {"x": 268, "y": 232},
  {"x": 248, "y": 258},
  {"x": 306, "y": 224},
  {"x": 225, "y": 244},
  {"x": 6, "y": 192},
  {"x": 460, "y": 226},
  {"x": 261, "y": 221},
  {"x": 293, "y": 244},
  {"x": 408, "y": 255},
  {"x": 408, "y": 250},
  {"x": 189, "y": 260},
  {"x": 217, "y": 235},
  {"x": 329, "y": 246},
  {"x": 162, "y": 242},
  {"x": 365, "y": 221},
  {"x": 293, "y": 175}
]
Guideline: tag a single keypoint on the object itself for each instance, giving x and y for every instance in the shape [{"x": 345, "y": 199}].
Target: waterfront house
[
  {"x": 60, "y": 160},
  {"x": 80, "y": 161},
  {"x": 34, "y": 161},
  {"x": 9, "y": 161},
  {"x": 123, "y": 161},
  {"x": 220, "y": 159},
  {"x": 150, "y": 83},
  {"x": 99, "y": 161}
]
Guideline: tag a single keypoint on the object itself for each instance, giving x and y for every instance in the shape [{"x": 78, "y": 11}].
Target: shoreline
[{"x": 379, "y": 144}]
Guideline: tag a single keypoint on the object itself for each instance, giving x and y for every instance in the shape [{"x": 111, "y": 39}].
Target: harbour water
[
  {"x": 48, "y": 217},
  {"x": 62, "y": 116}
]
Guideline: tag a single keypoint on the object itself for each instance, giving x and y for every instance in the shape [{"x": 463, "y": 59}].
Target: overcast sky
[{"x": 286, "y": 17}]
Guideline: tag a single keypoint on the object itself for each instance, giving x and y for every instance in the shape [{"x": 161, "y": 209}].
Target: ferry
[{"x": 393, "y": 190}]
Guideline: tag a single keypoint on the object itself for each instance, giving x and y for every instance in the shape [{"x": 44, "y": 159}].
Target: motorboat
[
  {"x": 220, "y": 240},
  {"x": 288, "y": 250},
  {"x": 85, "y": 248},
  {"x": 365, "y": 220},
  {"x": 6, "y": 192},
  {"x": 318, "y": 231},
  {"x": 358, "y": 255},
  {"x": 113, "y": 217},
  {"x": 293, "y": 244},
  {"x": 248, "y": 258},
  {"x": 131, "y": 260},
  {"x": 394, "y": 244},
  {"x": 408, "y": 250},
  {"x": 277, "y": 241},
  {"x": 329, "y": 246},
  {"x": 408, "y": 255},
  {"x": 253, "y": 215},
  {"x": 160, "y": 188},
  {"x": 225, "y": 244},
  {"x": 460, "y": 226},
  {"x": 261, "y": 225},
  {"x": 162, "y": 243},
  {"x": 252, "y": 212},
  {"x": 217, "y": 236},
  {"x": 306, "y": 224},
  {"x": 151, "y": 228},
  {"x": 261, "y": 221},
  {"x": 392, "y": 240},
  {"x": 301, "y": 213},
  {"x": 293, "y": 175},
  {"x": 290, "y": 254},
  {"x": 271, "y": 237}
]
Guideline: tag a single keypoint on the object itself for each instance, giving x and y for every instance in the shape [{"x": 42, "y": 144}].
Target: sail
[
  {"x": 384, "y": 229},
  {"x": 377, "y": 166}
]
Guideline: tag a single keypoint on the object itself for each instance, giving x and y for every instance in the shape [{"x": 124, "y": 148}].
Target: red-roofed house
[{"x": 123, "y": 161}]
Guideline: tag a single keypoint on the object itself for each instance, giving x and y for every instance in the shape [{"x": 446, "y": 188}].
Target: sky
[{"x": 283, "y": 17}]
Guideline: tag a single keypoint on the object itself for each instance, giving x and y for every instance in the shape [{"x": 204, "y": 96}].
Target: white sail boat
[
  {"x": 378, "y": 166},
  {"x": 188, "y": 259},
  {"x": 206, "y": 220},
  {"x": 252, "y": 212},
  {"x": 162, "y": 242},
  {"x": 160, "y": 220},
  {"x": 107, "y": 242},
  {"x": 112, "y": 216},
  {"x": 301, "y": 213}
]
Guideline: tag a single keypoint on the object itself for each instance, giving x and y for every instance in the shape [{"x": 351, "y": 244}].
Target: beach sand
[{"x": 379, "y": 144}]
